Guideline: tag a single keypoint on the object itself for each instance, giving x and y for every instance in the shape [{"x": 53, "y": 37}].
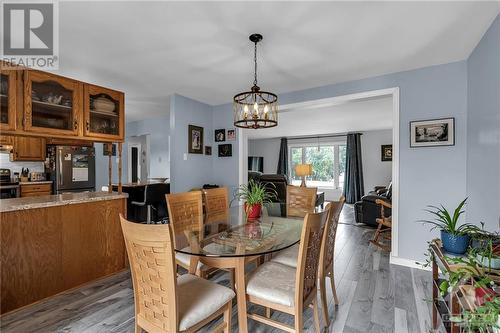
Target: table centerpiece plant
[
  {"x": 454, "y": 236},
  {"x": 255, "y": 194}
]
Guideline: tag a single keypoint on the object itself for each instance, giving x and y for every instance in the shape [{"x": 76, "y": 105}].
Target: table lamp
[{"x": 303, "y": 170}]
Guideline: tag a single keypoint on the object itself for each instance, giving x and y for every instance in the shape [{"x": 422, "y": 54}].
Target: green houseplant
[
  {"x": 455, "y": 236},
  {"x": 255, "y": 194}
]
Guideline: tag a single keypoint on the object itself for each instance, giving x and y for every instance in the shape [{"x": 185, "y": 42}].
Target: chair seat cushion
[
  {"x": 273, "y": 282},
  {"x": 288, "y": 257},
  {"x": 199, "y": 299},
  {"x": 185, "y": 259}
]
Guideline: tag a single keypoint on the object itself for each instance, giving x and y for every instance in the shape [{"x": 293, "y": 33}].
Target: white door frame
[
  {"x": 321, "y": 103},
  {"x": 139, "y": 160}
]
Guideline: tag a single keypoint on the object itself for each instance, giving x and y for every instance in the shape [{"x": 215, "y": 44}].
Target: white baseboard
[{"x": 408, "y": 263}]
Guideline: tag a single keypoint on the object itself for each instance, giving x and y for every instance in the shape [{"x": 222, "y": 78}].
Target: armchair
[{"x": 368, "y": 210}]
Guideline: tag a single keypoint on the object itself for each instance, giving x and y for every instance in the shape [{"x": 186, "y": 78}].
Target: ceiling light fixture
[{"x": 255, "y": 108}]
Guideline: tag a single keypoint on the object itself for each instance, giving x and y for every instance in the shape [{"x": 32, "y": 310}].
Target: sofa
[{"x": 367, "y": 211}]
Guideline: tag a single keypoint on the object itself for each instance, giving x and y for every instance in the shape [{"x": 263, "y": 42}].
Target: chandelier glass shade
[{"x": 255, "y": 108}]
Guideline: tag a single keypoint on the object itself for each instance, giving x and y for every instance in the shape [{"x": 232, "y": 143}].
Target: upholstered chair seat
[
  {"x": 273, "y": 282},
  {"x": 288, "y": 257},
  {"x": 199, "y": 299}
]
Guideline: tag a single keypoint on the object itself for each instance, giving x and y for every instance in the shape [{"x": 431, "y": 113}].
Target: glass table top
[{"x": 233, "y": 235}]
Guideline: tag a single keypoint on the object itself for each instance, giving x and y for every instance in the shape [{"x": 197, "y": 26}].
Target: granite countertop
[
  {"x": 36, "y": 182},
  {"x": 14, "y": 204}
]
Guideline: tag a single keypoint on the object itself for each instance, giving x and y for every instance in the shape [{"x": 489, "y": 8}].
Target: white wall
[
  {"x": 267, "y": 148},
  {"x": 375, "y": 172},
  {"x": 5, "y": 163}
]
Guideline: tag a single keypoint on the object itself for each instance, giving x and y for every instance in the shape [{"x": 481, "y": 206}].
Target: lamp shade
[{"x": 303, "y": 170}]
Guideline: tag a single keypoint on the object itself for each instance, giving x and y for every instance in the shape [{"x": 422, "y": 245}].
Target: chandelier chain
[{"x": 255, "y": 64}]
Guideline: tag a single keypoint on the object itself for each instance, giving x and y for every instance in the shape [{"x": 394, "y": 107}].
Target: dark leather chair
[{"x": 368, "y": 211}]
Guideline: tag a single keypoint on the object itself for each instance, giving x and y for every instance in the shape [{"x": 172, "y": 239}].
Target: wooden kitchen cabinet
[
  {"x": 35, "y": 190},
  {"x": 104, "y": 113},
  {"x": 28, "y": 149},
  {"x": 8, "y": 94},
  {"x": 52, "y": 104}
]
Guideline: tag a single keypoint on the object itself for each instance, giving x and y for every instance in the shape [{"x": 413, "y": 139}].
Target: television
[{"x": 255, "y": 163}]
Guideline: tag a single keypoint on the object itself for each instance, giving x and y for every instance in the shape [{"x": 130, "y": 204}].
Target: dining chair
[
  {"x": 216, "y": 204},
  {"x": 289, "y": 256},
  {"x": 384, "y": 227},
  {"x": 300, "y": 200},
  {"x": 327, "y": 256},
  {"x": 288, "y": 289},
  {"x": 185, "y": 212},
  {"x": 163, "y": 301}
]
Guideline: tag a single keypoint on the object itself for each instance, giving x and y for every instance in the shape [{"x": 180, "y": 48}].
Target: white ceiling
[
  {"x": 357, "y": 115},
  {"x": 150, "y": 50}
]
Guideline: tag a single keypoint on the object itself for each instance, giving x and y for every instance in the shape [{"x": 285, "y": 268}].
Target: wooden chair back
[
  {"x": 216, "y": 204},
  {"x": 300, "y": 200},
  {"x": 309, "y": 251},
  {"x": 185, "y": 211},
  {"x": 337, "y": 207},
  {"x": 152, "y": 261}
]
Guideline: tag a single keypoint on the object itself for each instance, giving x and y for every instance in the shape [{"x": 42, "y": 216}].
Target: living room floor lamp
[{"x": 303, "y": 170}]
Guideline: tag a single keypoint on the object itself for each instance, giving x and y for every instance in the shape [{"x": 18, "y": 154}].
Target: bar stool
[{"x": 154, "y": 201}]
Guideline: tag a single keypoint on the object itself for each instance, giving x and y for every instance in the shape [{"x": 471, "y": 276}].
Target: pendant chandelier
[{"x": 255, "y": 108}]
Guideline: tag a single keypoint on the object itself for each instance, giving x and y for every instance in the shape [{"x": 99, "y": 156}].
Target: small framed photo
[
  {"x": 107, "y": 147},
  {"x": 220, "y": 135},
  {"x": 208, "y": 150},
  {"x": 231, "y": 134},
  {"x": 431, "y": 133},
  {"x": 226, "y": 150},
  {"x": 386, "y": 153},
  {"x": 195, "y": 139}
]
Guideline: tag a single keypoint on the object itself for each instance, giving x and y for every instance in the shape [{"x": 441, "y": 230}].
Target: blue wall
[
  {"x": 483, "y": 130},
  {"x": 197, "y": 169},
  {"x": 158, "y": 129},
  {"x": 427, "y": 175}
]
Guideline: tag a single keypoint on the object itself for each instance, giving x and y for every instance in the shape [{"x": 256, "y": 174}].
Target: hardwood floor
[{"x": 374, "y": 296}]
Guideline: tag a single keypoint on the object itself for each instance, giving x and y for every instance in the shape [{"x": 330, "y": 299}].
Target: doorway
[
  {"x": 392, "y": 93},
  {"x": 135, "y": 167},
  {"x": 138, "y": 158}
]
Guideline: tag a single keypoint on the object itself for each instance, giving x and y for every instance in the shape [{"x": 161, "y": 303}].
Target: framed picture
[
  {"x": 195, "y": 139},
  {"x": 220, "y": 135},
  {"x": 386, "y": 153},
  {"x": 231, "y": 134},
  {"x": 430, "y": 133},
  {"x": 106, "y": 148},
  {"x": 226, "y": 150},
  {"x": 208, "y": 150}
]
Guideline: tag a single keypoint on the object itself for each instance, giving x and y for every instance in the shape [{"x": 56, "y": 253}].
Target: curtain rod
[{"x": 317, "y": 137}]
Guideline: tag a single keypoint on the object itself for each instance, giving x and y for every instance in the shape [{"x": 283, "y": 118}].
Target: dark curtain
[
  {"x": 283, "y": 158},
  {"x": 353, "y": 184}
]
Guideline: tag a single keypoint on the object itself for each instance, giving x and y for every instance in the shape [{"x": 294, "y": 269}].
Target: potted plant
[
  {"x": 255, "y": 194},
  {"x": 455, "y": 237}
]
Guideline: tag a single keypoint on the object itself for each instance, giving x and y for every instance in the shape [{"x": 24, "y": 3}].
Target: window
[{"x": 328, "y": 163}]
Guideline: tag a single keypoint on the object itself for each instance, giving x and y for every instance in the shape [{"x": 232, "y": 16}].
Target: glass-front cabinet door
[
  {"x": 8, "y": 88},
  {"x": 52, "y": 104},
  {"x": 104, "y": 113}
]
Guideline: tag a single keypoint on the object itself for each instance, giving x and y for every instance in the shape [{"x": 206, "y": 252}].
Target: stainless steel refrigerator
[{"x": 73, "y": 168}]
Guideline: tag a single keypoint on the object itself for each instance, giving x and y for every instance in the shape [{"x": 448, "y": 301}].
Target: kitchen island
[{"x": 53, "y": 243}]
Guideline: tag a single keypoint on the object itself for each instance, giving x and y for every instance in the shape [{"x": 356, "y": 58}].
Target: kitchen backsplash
[{"x": 5, "y": 163}]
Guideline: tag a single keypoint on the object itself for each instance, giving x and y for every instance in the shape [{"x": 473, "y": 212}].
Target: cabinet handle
[
  {"x": 87, "y": 125},
  {"x": 76, "y": 124}
]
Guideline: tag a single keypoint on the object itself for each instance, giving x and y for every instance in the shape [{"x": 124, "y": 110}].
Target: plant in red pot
[{"x": 255, "y": 194}]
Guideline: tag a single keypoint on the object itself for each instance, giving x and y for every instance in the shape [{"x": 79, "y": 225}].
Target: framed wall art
[
  {"x": 195, "y": 139},
  {"x": 431, "y": 133}
]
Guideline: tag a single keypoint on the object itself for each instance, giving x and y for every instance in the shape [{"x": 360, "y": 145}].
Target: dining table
[{"x": 233, "y": 240}]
